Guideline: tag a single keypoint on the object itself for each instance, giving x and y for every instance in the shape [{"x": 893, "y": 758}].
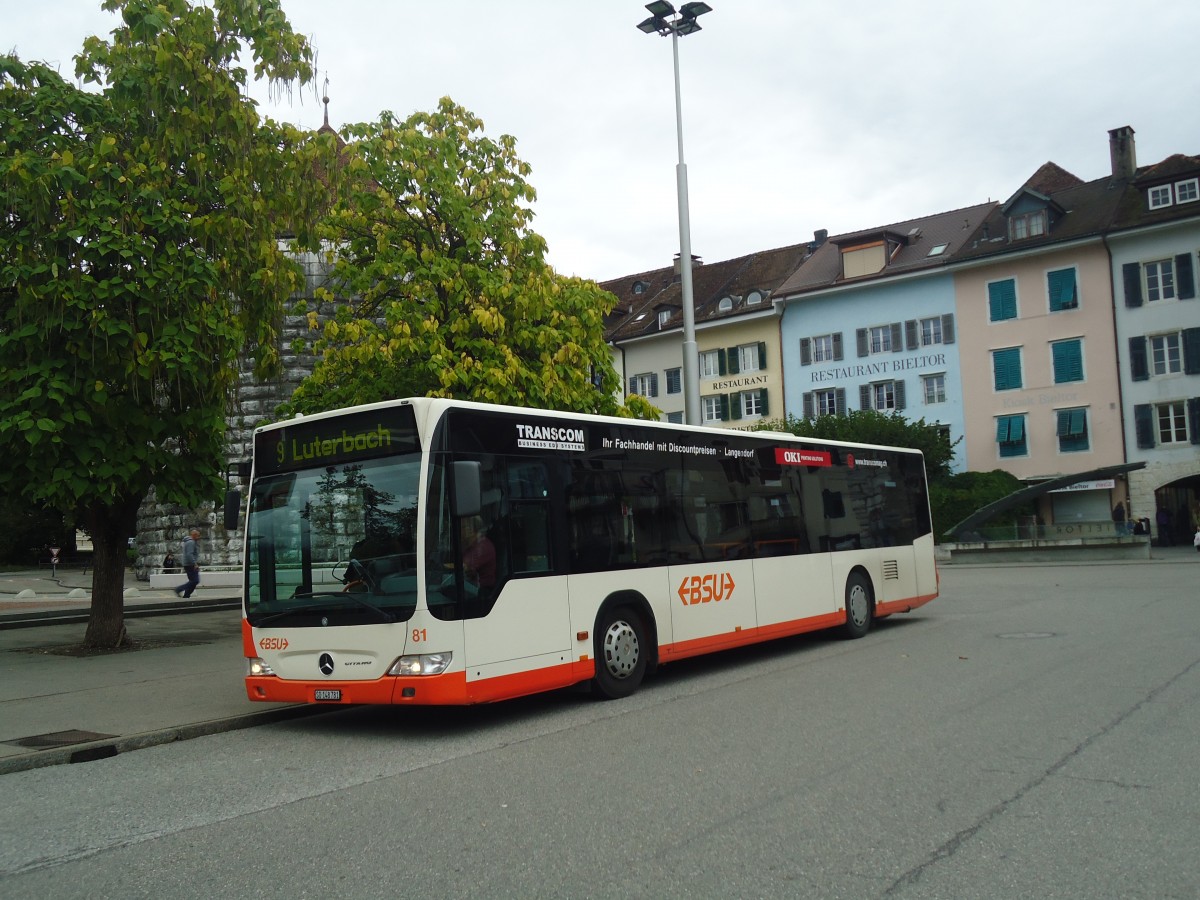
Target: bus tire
[
  {"x": 621, "y": 653},
  {"x": 860, "y": 606}
]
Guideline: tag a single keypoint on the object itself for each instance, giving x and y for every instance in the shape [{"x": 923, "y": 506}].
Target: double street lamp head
[{"x": 682, "y": 24}]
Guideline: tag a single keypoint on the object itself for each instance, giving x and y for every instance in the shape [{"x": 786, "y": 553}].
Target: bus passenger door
[{"x": 529, "y": 625}]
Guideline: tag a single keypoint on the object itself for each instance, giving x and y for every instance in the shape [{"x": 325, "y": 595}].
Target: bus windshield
[{"x": 334, "y": 544}]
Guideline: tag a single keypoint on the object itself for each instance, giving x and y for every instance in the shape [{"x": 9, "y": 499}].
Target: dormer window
[
  {"x": 725, "y": 305},
  {"x": 864, "y": 259},
  {"x": 639, "y": 287},
  {"x": 754, "y": 297},
  {"x": 1031, "y": 214},
  {"x": 1031, "y": 224},
  {"x": 664, "y": 316},
  {"x": 1162, "y": 195}
]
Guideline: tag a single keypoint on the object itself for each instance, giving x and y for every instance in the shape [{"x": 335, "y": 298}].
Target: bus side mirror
[
  {"x": 233, "y": 505},
  {"x": 468, "y": 495}
]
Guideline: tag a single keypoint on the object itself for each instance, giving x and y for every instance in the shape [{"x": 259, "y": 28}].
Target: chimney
[
  {"x": 696, "y": 261},
  {"x": 1121, "y": 152},
  {"x": 820, "y": 236}
]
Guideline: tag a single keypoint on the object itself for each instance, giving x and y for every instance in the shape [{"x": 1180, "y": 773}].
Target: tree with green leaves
[
  {"x": 442, "y": 286},
  {"x": 138, "y": 256}
]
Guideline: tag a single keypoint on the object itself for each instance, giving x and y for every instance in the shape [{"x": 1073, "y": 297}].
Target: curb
[
  {"x": 109, "y": 747},
  {"x": 35, "y": 618}
]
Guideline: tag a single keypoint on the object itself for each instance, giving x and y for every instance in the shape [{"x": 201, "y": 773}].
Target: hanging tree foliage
[
  {"x": 450, "y": 292},
  {"x": 138, "y": 256}
]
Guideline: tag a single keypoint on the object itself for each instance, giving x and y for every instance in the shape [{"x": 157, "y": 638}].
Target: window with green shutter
[
  {"x": 1010, "y": 435},
  {"x": 1002, "y": 300},
  {"x": 1006, "y": 368},
  {"x": 1072, "y": 430},
  {"x": 1068, "y": 361},
  {"x": 1061, "y": 287}
]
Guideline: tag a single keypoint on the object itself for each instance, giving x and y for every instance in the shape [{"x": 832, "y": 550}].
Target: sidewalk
[
  {"x": 36, "y": 596},
  {"x": 184, "y": 682}
]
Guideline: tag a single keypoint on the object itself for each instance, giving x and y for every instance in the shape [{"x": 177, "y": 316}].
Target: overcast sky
[{"x": 796, "y": 115}]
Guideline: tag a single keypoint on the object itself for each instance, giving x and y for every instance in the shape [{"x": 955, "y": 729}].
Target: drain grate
[{"x": 59, "y": 739}]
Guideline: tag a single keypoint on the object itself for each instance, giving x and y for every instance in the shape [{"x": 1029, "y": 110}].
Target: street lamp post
[{"x": 664, "y": 20}]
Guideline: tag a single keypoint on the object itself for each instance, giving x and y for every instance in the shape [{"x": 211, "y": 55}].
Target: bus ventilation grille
[{"x": 891, "y": 570}]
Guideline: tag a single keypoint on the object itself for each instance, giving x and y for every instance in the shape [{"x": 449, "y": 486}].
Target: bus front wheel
[
  {"x": 860, "y": 606},
  {"x": 620, "y": 654}
]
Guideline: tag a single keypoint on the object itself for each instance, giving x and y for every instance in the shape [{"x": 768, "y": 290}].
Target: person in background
[
  {"x": 1163, "y": 517},
  {"x": 479, "y": 555},
  {"x": 191, "y": 564},
  {"x": 1118, "y": 517}
]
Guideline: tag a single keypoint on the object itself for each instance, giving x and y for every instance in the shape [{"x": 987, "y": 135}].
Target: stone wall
[
  {"x": 1144, "y": 482},
  {"x": 162, "y": 527}
]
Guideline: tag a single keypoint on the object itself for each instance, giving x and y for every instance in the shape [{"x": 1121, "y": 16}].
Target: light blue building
[{"x": 868, "y": 322}]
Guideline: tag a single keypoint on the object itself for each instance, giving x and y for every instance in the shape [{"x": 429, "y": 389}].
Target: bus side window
[{"x": 524, "y": 526}]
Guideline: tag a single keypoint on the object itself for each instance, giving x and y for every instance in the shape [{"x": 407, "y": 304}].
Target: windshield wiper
[{"x": 384, "y": 615}]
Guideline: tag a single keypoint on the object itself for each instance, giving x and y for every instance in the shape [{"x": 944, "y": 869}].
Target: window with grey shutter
[
  {"x": 948, "y": 328},
  {"x": 1193, "y": 412},
  {"x": 809, "y": 409},
  {"x": 897, "y": 337},
  {"x": 1143, "y": 425},
  {"x": 805, "y": 351},
  {"x": 1139, "y": 366},
  {"x": 898, "y": 387},
  {"x": 864, "y": 396},
  {"x": 837, "y": 346},
  {"x": 912, "y": 337},
  {"x": 840, "y": 401},
  {"x": 1191, "y": 351},
  {"x": 1185, "y": 284},
  {"x": 864, "y": 343},
  {"x": 1132, "y": 275}
]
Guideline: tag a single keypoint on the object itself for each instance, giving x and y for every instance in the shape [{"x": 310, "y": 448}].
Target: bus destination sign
[{"x": 302, "y": 444}]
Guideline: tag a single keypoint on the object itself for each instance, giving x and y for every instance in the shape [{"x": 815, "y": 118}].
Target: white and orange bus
[{"x": 432, "y": 551}]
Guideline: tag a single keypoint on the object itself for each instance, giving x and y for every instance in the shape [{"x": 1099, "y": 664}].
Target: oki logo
[
  {"x": 788, "y": 457},
  {"x": 706, "y": 588}
]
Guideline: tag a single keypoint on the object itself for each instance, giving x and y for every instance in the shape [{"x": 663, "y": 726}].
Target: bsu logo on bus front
[{"x": 706, "y": 588}]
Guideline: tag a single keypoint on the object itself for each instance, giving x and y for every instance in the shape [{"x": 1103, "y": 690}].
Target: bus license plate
[{"x": 327, "y": 695}]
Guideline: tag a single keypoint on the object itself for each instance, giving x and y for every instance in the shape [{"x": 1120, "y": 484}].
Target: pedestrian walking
[
  {"x": 1196, "y": 539},
  {"x": 191, "y": 564}
]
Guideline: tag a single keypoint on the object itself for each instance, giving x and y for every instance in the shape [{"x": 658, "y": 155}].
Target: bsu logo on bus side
[{"x": 706, "y": 588}]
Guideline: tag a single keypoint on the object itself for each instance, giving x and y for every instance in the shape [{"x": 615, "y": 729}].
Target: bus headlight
[
  {"x": 257, "y": 666},
  {"x": 425, "y": 664}
]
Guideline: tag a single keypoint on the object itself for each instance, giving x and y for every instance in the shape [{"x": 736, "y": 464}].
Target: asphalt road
[{"x": 1031, "y": 733}]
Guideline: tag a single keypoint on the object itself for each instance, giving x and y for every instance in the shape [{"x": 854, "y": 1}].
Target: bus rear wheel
[
  {"x": 860, "y": 606},
  {"x": 620, "y": 654}
]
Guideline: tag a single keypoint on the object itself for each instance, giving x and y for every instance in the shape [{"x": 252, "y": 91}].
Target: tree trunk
[{"x": 111, "y": 527}]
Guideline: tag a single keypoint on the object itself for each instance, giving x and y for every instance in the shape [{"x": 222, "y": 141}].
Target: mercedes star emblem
[{"x": 325, "y": 664}]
